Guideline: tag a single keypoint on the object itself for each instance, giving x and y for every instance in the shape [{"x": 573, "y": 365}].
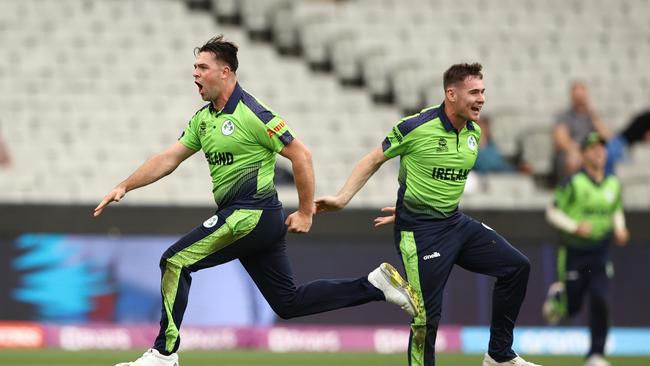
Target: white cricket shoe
[
  {"x": 395, "y": 289},
  {"x": 551, "y": 310},
  {"x": 596, "y": 360},
  {"x": 517, "y": 361},
  {"x": 153, "y": 358}
]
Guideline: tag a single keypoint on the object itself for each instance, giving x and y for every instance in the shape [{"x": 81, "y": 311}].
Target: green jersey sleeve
[
  {"x": 618, "y": 206},
  {"x": 564, "y": 196},
  {"x": 276, "y": 134},
  {"x": 190, "y": 137},
  {"x": 395, "y": 143}
]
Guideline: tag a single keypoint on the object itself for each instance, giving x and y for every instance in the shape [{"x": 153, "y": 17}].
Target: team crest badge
[
  {"x": 609, "y": 196},
  {"x": 211, "y": 221},
  {"x": 228, "y": 128},
  {"x": 471, "y": 143}
]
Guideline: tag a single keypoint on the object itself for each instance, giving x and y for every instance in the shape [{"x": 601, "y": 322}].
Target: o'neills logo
[{"x": 449, "y": 173}]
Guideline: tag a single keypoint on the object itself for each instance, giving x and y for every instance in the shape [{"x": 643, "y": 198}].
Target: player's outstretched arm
[
  {"x": 364, "y": 169},
  {"x": 153, "y": 169},
  {"x": 303, "y": 173},
  {"x": 386, "y": 220}
]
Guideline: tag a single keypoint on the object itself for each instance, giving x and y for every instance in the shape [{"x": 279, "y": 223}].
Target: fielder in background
[{"x": 588, "y": 211}]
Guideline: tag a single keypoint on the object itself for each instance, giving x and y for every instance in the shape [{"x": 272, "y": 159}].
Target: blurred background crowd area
[{"x": 90, "y": 88}]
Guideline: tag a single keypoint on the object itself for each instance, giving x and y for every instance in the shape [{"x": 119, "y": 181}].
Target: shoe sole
[{"x": 394, "y": 278}]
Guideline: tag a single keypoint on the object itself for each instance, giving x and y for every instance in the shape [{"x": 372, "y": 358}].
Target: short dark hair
[
  {"x": 222, "y": 50},
  {"x": 458, "y": 72}
]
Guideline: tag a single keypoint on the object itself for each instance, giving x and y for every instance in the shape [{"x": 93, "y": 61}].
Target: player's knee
[
  {"x": 283, "y": 307},
  {"x": 167, "y": 261},
  {"x": 518, "y": 268},
  {"x": 526, "y": 264},
  {"x": 285, "y": 313},
  {"x": 523, "y": 265},
  {"x": 284, "y": 303}
]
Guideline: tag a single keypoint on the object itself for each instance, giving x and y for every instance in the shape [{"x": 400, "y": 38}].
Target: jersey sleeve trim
[
  {"x": 260, "y": 111},
  {"x": 410, "y": 124},
  {"x": 286, "y": 138},
  {"x": 385, "y": 145}
]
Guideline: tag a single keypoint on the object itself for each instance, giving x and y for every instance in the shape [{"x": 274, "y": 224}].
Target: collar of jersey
[
  {"x": 232, "y": 102},
  {"x": 596, "y": 183},
  {"x": 447, "y": 123}
]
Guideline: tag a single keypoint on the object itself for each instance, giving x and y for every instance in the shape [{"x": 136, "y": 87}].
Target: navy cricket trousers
[
  {"x": 430, "y": 250},
  {"x": 587, "y": 271},
  {"x": 257, "y": 238}
]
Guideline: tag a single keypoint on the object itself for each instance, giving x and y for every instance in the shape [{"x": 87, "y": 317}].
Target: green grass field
[{"x": 251, "y": 358}]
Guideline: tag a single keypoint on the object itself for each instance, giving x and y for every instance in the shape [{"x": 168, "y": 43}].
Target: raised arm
[
  {"x": 364, "y": 169},
  {"x": 303, "y": 173},
  {"x": 601, "y": 127},
  {"x": 153, "y": 169}
]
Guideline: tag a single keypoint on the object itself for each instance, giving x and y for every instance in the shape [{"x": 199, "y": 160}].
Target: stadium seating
[{"x": 89, "y": 89}]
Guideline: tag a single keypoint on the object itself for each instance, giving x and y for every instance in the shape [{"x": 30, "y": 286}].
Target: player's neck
[
  {"x": 596, "y": 173},
  {"x": 456, "y": 121},
  {"x": 222, "y": 99}
]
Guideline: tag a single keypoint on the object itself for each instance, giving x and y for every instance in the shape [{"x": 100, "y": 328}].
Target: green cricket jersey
[
  {"x": 583, "y": 199},
  {"x": 240, "y": 144},
  {"x": 435, "y": 160}
]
